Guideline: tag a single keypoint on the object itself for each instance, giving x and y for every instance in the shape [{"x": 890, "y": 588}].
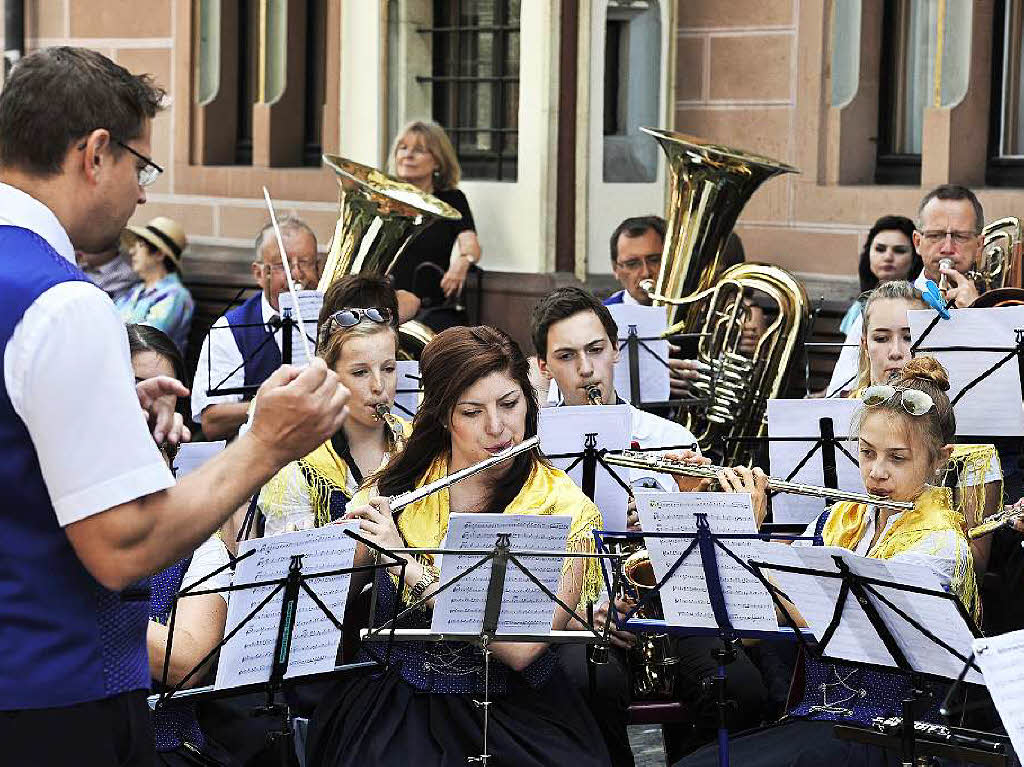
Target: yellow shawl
[
  {"x": 322, "y": 471},
  {"x": 932, "y": 513},
  {"x": 546, "y": 491}
]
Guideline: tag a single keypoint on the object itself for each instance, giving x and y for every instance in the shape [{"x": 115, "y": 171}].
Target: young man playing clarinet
[{"x": 576, "y": 340}]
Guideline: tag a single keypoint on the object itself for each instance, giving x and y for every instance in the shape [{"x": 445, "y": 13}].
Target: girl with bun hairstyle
[{"x": 905, "y": 429}]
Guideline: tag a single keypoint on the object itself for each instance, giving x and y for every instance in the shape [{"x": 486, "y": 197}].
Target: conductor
[{"x": 89, "y": 508}]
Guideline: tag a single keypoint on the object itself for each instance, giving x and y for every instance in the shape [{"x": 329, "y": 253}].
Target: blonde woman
[
  {"x": 423, "y": 156},
  {"x": 360, "y": 345}
]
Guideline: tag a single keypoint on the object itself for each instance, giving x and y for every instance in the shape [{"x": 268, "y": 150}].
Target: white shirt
[
  {"x": 654, "y": 431},
  {"x": 69, "y": 376},
  {"x": 211, "y": 555},
  {"x": 220, "y": 363}
]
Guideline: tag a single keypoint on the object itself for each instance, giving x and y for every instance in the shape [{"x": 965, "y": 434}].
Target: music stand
[
  {"x": 633, "y": 343},
  {"x": 707, "y": 545},
  {"x": 499, "y": 557},
  {"x": 295, "y": 583},
  {"x": 865, "y": 592}
]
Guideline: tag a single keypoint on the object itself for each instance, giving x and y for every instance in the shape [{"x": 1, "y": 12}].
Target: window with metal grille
[{"x": 475, "y": 83}]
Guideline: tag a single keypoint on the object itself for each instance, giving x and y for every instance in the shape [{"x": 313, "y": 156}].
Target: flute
[
  {"x": 636, "y": 460},
  {"x": 400, "y": 501}
]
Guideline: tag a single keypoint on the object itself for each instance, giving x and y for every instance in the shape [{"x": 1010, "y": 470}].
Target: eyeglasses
[
  {"x": 914, "y": 401},
  {"x": 634, "y": 264},
  {"x": 148, "y": 173},
  {"x": 303, "y": 263},
  {"x": 347, "y": 318},
  {"x": 960, "y": 238}
]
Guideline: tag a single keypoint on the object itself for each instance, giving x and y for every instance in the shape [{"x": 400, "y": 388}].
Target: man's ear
[
  {"x": 257, "y": 272},
  {"x": 542, "y": 366},
  {"x": 617, "y": 351},
  {"x": 916, "y": 237},
  {"x": 95, "y": 153}
]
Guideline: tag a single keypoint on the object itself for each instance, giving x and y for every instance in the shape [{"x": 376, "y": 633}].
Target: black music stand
[
  {"x": 632, "y": 343},
  {"x": 285, "y": 324},
  {"x": 707, "y": 545},
  {"x": 499, "y": 557},
  {"x": 292, "y": 585},
  {"x": 865, "y": 592}
]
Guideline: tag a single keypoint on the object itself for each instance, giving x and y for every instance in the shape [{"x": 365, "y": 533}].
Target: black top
[{"x": 433, "y": 246}]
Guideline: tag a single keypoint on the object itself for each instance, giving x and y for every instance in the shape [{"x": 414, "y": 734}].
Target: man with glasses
[
  {"x": 949, "y": 223},
  {"x": 237, "y": 351},
  {"x": 90, "y": 509}
]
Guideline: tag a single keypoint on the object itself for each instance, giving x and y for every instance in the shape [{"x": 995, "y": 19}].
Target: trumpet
[
  {"x": 594, "y": 394},
  {"x": 633, "y": 459},
  {"x": 944, "y": 263},
  {"x": 1004, "y": 518},
  {"x": 397, "y": 431},
  {"x": 399, "y": 502}
]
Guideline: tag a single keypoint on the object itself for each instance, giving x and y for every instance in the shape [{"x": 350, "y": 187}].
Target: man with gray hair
[
  {"x": 949, "y": 223},
  {"x": 238, "y": 350}
]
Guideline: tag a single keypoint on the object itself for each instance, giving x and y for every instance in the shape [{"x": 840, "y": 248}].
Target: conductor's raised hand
[
  {"x": 690, "y": 484},
  {"x": 297, "y": 410},
  {"x": 744, "y": 480},
  {"x": 377, "y": 523}
]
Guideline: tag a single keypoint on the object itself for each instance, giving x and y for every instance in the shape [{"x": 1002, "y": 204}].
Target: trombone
[{"x": 633, "y": 459}]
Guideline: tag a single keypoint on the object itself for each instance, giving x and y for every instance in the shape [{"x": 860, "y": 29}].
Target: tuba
[
  {"x": 378, "y": 216},
  {"x": 710, "y": 185}
]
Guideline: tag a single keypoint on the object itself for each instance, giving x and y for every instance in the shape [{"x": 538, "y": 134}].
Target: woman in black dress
[
  {"x": 435, "y": 264},
  {"x": 477, "y": 400}
]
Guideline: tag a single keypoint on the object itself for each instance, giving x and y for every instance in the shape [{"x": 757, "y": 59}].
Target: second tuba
[
  {"x": 378, "y": 216},
  {"x": 710, "y": 185}
]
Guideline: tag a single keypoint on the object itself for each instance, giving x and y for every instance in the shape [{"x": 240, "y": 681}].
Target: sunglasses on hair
[
  {"x": 348, "y": 318},
  {"x": 914, "y": 401}
]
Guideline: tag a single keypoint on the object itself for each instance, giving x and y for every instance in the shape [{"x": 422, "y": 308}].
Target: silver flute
[
  {"x": 400, "y": 501},
  {"x": 636, "y": 460}
]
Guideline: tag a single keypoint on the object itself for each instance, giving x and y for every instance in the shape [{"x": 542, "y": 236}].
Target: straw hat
[{"x": 163, "y": 233}]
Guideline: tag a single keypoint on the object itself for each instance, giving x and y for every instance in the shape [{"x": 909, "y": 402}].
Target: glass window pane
[
  {"x": 845, "y": 50},
  {"x": 632, "y": 91},
  {"x": 208, "y": 67},
  {"x": 1012, "y": 129}
]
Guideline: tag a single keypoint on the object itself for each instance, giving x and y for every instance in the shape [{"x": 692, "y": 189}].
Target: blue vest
[
  {"x": 174, "y": 724},
  {"x": 64, "y": 638},
  {"x": 255, "y": 341},
  {"x": 615, "y": 298}
]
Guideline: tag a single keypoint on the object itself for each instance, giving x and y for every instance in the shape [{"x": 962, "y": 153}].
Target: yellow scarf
[
  {"x": 546, "y": 491},
  {"x": 932, "y": 513},
  {"x": 322, "y": 471}
]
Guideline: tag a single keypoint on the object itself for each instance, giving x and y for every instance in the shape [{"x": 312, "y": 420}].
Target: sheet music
[
  {"x": 650, "y": 322},
  {"x": 1002, "y": 662},
  {"x": 525, "y": 609},
  {"x": 799, "y": 418},
  {"x": 938, "y": 615},
  {"x": 999, "y": 392},
  {"x": 192, "y": 455},
  {"x": 564, "y": 430},
  {"x": 409, "y": 393},
  {"x": 816, "y": 597},
  {"x": 684, "y": 597},
  {"x": 248, "y": 656},
  {"x": 310, "y": 303}
]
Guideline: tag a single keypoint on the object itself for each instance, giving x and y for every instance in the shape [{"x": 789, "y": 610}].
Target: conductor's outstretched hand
[{"x": 297, "y": 410}]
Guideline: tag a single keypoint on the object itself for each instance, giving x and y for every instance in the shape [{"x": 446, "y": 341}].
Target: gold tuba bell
[
  {"x": 378, "y": 216},
  {"x": 710, "y": 184},
  {"x": 998, "y": 264}
]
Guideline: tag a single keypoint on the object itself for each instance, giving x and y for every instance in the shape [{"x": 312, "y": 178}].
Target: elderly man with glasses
[
  {"x": 949, "y": 223},
  {"x": 240, "y": 349}
]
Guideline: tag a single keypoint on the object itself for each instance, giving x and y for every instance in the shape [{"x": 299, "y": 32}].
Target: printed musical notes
[
  {"x": 248, "y": 656},
  {"x": 1001, "y": 660},
  {"x": 685, "y": 597},
  {"x": 525, "y": 608}
]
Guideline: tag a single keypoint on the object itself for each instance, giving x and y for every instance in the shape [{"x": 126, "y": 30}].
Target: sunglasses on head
[
  {"x": 914, "y": 401},
  {"x": 347, "y": 318}
]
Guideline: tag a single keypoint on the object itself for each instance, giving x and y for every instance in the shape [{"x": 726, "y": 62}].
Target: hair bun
[{"x": 926, "y": 369}]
